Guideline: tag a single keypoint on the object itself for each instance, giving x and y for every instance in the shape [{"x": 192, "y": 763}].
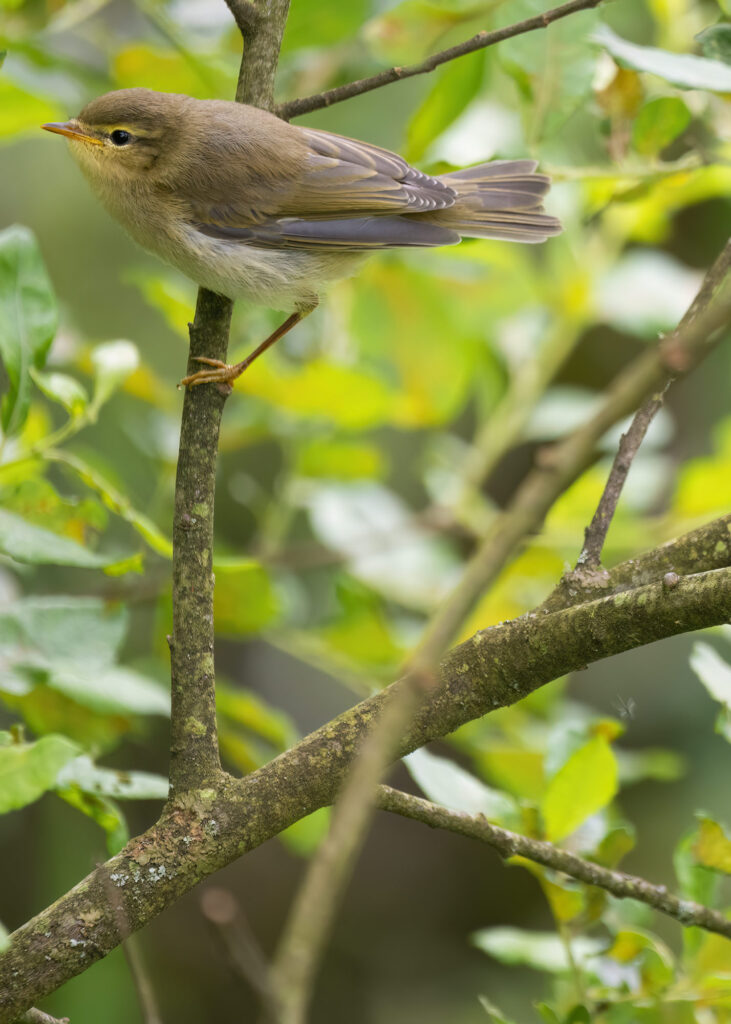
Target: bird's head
[{"x": 122, "y": 136}]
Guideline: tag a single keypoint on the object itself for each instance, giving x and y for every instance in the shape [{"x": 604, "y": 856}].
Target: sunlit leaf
[
  {"x": 24, "y": 542},
  {"x": 247, "y": 709},
  {"x": 585, "y": 784},
  {"x": 27, "y": 770},
  {"x": 305, "y": 836},
  {"x": 102, "y": 810},
  {"x": 340, "y": 460},
  {"x": 323, "y": 24},
  {"x": 27, "y": 320},
  {"x": 658, "y": 123},
  {"x": 244, "y": 599},
  {"x": 713, "y": 847},
  {"x": 456, "y": 84},
  {"x": 112, "y": 782},
  {"x": 61, "y": 388},
  {"x": 681, "y": 69},
  {"x": 543, "y": 951},
  {"x": 447, "y": 784},
  {"x": 495, "y": 1015},
  {"x": 113, "y": 362},
  {"x": 21, "y": 112}
]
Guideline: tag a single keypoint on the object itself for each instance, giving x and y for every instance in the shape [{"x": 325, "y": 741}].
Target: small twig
[
  {"x": 222, "y": 911},
  {"x": 629, "y": 444},
  {"x": 34, "y": 1016},
  {"x": 512, "y": 844},
  {"x": 479, "y": 42},
  {"x": 596, "y": 531}
]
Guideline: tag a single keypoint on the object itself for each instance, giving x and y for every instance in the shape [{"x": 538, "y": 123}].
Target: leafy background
[{"x": 359, "y": 461}]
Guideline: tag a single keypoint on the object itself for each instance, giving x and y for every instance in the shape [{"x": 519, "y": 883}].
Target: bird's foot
[{"x": 219, "y": 373}]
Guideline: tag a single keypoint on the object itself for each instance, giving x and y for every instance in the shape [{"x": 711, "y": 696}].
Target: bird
[{"x": 252, "y": 207}]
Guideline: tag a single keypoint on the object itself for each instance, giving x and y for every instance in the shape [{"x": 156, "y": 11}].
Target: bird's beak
[{"x": 72, "y": 130}]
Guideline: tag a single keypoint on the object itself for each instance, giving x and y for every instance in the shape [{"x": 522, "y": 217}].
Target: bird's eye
[{"x": 120, "y": 137}]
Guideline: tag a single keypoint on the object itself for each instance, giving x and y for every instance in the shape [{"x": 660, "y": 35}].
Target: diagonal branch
[
  {"x": 512, "y": 844},
  {"x": 201, "y": 834},
  {"x": 295, "y": 108}
]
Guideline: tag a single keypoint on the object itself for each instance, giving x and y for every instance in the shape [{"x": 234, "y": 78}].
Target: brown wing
[{"x": 341, "y": 194}]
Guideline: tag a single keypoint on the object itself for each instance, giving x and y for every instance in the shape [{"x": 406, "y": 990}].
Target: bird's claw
[{"x": 221, "y": 373}]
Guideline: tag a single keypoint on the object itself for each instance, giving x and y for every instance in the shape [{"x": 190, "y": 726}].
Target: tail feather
[{"x": 501, "y": 199}]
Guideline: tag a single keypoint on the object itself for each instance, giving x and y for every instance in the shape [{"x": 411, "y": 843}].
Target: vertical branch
[{"x": 194, "y": 755}]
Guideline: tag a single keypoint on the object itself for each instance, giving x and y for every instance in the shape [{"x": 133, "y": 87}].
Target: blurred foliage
[{"x": 361, "y": 456}]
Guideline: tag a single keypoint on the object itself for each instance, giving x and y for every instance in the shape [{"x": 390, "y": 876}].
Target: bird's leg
[{"x": 226, "y": 373}]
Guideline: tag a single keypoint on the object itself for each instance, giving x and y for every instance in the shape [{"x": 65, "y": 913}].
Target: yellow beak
[{"x": 72, "y": 130}]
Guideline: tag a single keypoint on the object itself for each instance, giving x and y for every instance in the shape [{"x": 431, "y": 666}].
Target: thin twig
[
  {"x": 512, "y": 844},
  {"x": 479, "y": 42},
  {"x": 629, "y": 444},
  {"x": 228, "y": 923}
]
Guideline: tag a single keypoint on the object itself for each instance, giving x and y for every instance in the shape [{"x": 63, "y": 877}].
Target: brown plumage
[{"x": 252, "y": 207}]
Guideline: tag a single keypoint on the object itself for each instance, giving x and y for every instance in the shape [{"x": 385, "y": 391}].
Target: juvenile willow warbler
[{"x": 252, "y": 207}]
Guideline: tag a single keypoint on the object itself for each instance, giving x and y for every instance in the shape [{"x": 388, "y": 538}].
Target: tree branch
[
  {"x": 512, "y": 844},
  {"x": 205, "y": 830},
  {"x": 708, "y": 547},
  {"x": 295, "y": 108},
  {"x": 630, "y": 442},
  {"x": 559, "y": 466},
  {"x": 194, "y": 755}
]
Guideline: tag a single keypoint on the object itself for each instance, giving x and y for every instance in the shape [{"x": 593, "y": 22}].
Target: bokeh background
[{"x": 359, "y": 462}]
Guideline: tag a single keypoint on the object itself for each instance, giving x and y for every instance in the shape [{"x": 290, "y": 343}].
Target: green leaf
[
  {"x": 115, "y": 689},
  {"x": 113, "y": 362},
  {"x": 63, "y": 629},
  {"x": 712, "y": 848},
  {"x": 681, "y": 69},
  {"x": 585, "y": 784},
  {"x": 548, "y": 1014},
  {"x": 247, "y": 709},
  {"x": 658, "y": 123},
  {"x": 340, "y": 460},
  {"x": 27, "y": 770},
  {"x": 24, "y": 542},
  {"x": 244, "y": 600},
  {"x": 305, "y": 836},
  {"x": 21, "y": 112},
  {"x": 4, "y": 934},
  {"x": 456, "y": 84},
  {"x": 103, "y": 811},
  {"x": 325, "y": 23},
  {"x": 715, "y": 674},
  {"x": 447, "y": 784},
  {"x": 27, "y": 320},
  {"x": 495, "y": 1015},
  {"x": 112, "y": 782},
  {"x": 716, "y": 42},
  {"x": 544, "y": 951},
  {"x": 61, "y": 388}
]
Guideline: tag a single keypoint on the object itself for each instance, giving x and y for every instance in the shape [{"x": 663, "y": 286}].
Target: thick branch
[
  {"x": 708, "y": 547},
  {"x": 204, "y": 831},
  {"x": 481, "y": 41},
  {"x": 512, "y": 844}
]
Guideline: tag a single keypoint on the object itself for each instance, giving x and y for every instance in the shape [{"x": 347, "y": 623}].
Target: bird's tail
[{"x": 501, "y": 199}]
